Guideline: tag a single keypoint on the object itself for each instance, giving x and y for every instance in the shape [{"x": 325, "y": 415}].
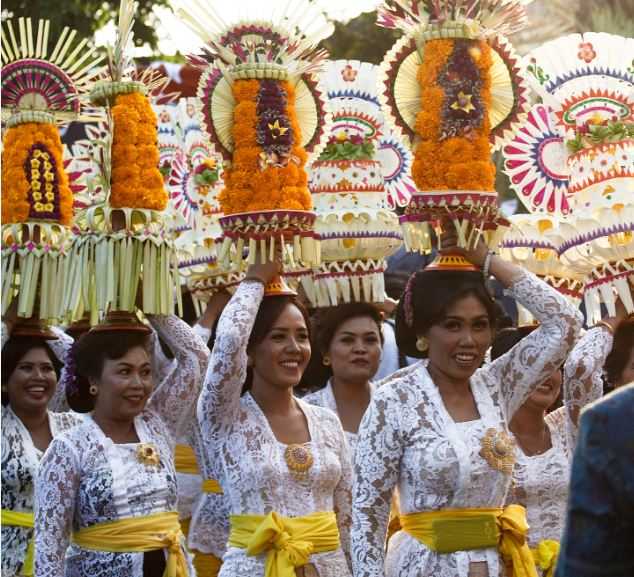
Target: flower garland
[
  {"x": 453, "y": 125},
  {"x": 267, "y": 172},
  {"x": 34, "y": 184},
  {"x": 136, "y": 180},
  {"x": 599, "y": 131},
  {"x": 343, "y": 146}
]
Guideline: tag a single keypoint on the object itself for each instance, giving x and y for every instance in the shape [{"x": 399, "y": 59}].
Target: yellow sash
[
  {"x": 546, "y": 554},
  {"x": 206, "y": 564},
  {"x": 453, "y": 530},
  {"x": 138, "y": 535},
  {"x": 185, "y": 460},
  {"x": 21, "y": 519},
  {"x": 211, "y": 486},
  {"x": 290, "y": 541}
]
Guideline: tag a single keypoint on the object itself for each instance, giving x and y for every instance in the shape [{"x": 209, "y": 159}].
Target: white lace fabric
[
  {"x": 540, "y": 482},
  {"x": 408, "y": 440},
  {"x": 251, "y": 466},
  {"x": 86, "y": 479},
  {"x": 20, "y": 460}
]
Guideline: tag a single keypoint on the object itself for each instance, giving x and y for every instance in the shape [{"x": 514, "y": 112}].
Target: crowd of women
[{"x": 110, "y": 441}]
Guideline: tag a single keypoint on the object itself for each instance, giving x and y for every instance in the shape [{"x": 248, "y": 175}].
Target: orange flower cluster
[
  {"x": 136, "y": 181},
  {"x": 248, "y": 187},
  {"x": 456, "y": 163},
  {"x": 16, "y": 180}
]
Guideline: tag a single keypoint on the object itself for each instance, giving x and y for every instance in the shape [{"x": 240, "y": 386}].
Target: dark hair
[
  {"x": 14, "y": 351},
  {"x": 428, "y": 295},
  {"x": 326, "y": 323},
  {"x": 270, "y": 310},
  {"x": 89, "y": 356},
  {"x": 507, "y": 338},
  {"x": 619, "y": 356}
]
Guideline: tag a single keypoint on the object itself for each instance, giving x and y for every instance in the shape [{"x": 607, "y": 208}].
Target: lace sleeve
[
  {"x": 61, "y": 348},
  {"x": 377, "y": 460},
  {"x": 343, "y": 494},
  {"x": 174, "y": 399},
  {"x": 582, "y": 373},
  {"x": 55, "y": 491},
  {"x": 161, "y": 365},
  {"x": 203, "y": 333},
  {"x": 535, "y": 357},
  {"x": 220, "y": 397}
]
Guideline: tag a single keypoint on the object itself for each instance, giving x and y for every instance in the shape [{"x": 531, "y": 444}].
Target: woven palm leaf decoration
[
  {"x": 126, "y": 237},
  {"x": 452, "y": 86},
  {"x": 357, "y": 228},
  {"x": 586, "y": 83},
  {"x": 265, "y": 114},
  {"x": 43, "y": 83}
]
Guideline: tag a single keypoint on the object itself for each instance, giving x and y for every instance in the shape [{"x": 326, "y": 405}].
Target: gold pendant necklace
[
  {"x": 498, "y": 450},
  {"x": 299, "y": 460}
]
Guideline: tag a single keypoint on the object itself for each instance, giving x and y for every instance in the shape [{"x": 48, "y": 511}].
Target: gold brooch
[
  {"x": 498, "y": 450},
  {"x": 299, "y": 460},
  {"x": 147, "y": 454}
]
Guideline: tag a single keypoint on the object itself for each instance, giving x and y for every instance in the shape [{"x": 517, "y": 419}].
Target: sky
[{"x": 175, "y": 36}]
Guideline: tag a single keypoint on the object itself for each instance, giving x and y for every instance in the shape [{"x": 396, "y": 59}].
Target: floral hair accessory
[
  {"x": 41, "y": 86},
  {"x": 408, "y": 305}
]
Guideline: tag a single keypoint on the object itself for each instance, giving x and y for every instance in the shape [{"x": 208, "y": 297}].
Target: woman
[
  {"x": 285, "y": 467},
  {"x": 546, "y": 440},
  {"x": 619, "y": 365},
  {"x": 349, "y": 341},
  {"x": 29, "y": 379},
  {"x": 109, "y": 485},
  {"x": 440, "y": 432}
]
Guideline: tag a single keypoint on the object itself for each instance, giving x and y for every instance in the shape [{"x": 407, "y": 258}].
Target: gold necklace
[
  {"x": 299, "y": 460},
  {"x": 542, "y": 444}
]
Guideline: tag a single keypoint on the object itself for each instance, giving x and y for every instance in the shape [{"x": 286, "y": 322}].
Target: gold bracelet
[{"x": 605, "y": 325}]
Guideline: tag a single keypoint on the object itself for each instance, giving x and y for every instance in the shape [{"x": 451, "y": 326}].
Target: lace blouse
[
  {"x": 20, "y": 460},
  {"x": 86, "y": 479},
  {"x": 408, "y": 440},
  {"x": 252, "y": 469},
  {"x": 540, "y": 482}
]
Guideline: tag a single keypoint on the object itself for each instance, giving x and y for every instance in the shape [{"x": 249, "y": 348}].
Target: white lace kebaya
[
  {"x": 540, "y": 482},
  {"x": 254, "y": 475},
  {"x": 86, "y": 479},
  {"x": 408, "y": 440}
]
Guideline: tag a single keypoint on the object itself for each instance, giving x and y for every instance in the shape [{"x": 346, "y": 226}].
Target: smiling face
[
  {"x": 125, "y": 385},
  {"x": 458, "y": 343},
  {"x": 545, "y": 395},
  {"x": 355, "y": 350},
  {"x": 32, "y": 383},
  {"x": 281, "y": 357}
]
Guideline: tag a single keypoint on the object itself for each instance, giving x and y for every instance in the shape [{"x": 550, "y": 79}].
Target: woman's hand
[
  {"x": 449, "y": 243},
  {"x": 263, "y": 273}
]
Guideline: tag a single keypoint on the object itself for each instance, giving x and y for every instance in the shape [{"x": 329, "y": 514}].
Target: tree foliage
[{"x": 87, "y": 16}]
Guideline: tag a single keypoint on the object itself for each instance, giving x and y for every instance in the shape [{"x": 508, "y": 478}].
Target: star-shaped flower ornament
[
  {"x": 277, "y": 130},
  {"x": 463, "y": 102}
]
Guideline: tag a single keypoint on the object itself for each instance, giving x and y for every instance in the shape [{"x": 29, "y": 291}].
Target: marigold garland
[
  {"x": 455, "y": 163},
  {"x": 248, "y": 187},
  {"x": 19, "y": 201},
  {"x": 136, "y": 181}
]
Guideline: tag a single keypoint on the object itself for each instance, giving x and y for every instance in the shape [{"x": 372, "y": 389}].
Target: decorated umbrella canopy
[
  {"x": 452, "y": 86},
  {"x": 126, "y": 237},
  {"x": 264, "y": 114},
  {"x": 42, "y": 84},
  {"x": 351, "y": 194}
]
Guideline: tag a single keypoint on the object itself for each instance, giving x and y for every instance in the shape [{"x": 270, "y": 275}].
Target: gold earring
[
  {"x": 93, "y": 390},
  {"x": 422, "y": 344},
  {"x": 326, "y": 362}
]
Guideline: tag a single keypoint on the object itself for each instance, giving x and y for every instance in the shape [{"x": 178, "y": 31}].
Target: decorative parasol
[
  {"x": 42, "y": 85},
  {"x": 265, "y": 115},
  {"x": 452, "y": 87}
]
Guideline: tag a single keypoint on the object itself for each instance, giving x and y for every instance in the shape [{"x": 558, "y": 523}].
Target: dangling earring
[
  {"x": 93, "y": 390},
  {"x": 326, "y": 361},
  {"x": 422, "y": 344}
]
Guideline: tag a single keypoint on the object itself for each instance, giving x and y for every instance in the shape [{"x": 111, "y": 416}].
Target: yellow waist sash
[
  {"x": 453, "y": 530},
  {"x": 138, "y": 535},
  {"x": 185, "y": 460},
  {"x": 546, "y": 554},
  {"x": 21, "y": 519},
  {"x": 289, "y": 541},
  {"x": 211, "y": 486}
]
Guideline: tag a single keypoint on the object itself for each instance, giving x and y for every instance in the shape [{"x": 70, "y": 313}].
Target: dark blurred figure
[{"x": 599, "y": 536}]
